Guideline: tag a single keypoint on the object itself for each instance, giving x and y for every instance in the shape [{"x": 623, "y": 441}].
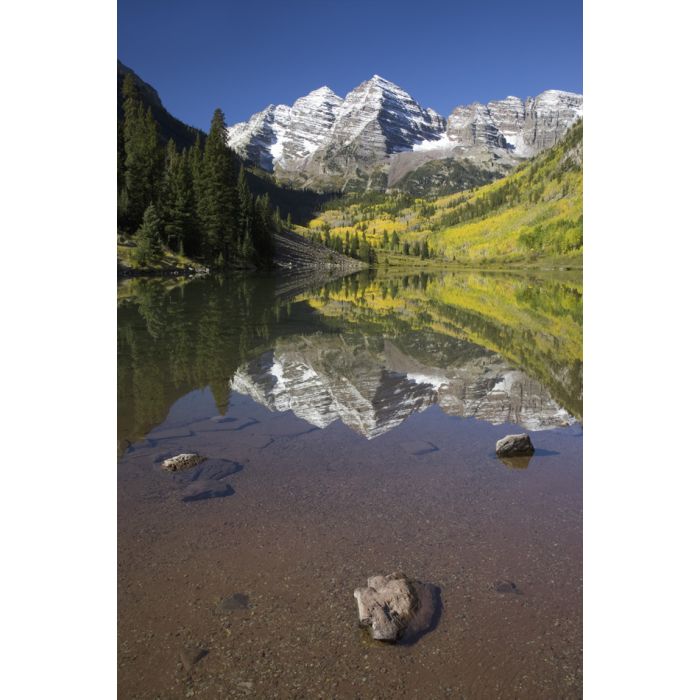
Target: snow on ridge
[
  {"x": 562, "y": 93},
  {"x": 444, "y": 143}
]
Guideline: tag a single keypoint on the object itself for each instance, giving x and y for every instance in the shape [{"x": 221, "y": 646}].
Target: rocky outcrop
[
  {"x": 472, "y": 126},
  {"x": 515, "y": 446},
  {"x": 187, "y": 460},
  {"x": 379, "y": 133},
  {"x": 391, "y": 605}
]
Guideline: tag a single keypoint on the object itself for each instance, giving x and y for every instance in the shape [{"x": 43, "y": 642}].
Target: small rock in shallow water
[
  {"x": 201, "y": 490},
  {"x": 237, "y": 601},
  {"x": 507, "y": 587},
  {"x": 187, "y": 460},
  {"x": 514, "y": 446},
  {"x": 190, "y": 655},
  {"x": 389, "y": 605}
]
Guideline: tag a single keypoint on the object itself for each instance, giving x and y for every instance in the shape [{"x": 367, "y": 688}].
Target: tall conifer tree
[
  {"x": 142, "y": 159},
  {"x": 216, "y": 206}
]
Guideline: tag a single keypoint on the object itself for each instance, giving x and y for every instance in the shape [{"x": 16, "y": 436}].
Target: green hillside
[{"x": 532, "y": 216}]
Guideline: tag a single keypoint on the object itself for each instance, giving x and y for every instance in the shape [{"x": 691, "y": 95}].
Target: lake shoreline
[{"x": 124, "y": 273}]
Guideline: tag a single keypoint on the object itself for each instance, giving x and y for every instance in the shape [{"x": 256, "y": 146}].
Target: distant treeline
[
  {"x": 363, "y": 249},
  {"x": 194, "y": 200}
]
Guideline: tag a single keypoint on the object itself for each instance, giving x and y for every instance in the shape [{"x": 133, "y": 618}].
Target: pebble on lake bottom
[
  {"x": 237, "y": 601},
  {"x": 507, "y": 587},
  {"x": 186, "y": 460}
]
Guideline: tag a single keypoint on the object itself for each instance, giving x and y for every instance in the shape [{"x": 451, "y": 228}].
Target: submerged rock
[
  {"x": 210, "y": 470},
  {"x": 208, "y": 488},
  {"x": 237, "y": 601},
  {"x": 515, "y": 446},
  {"x": 190, "y": 655},
  {"x": 187, "y": 460},
  {"x": 391, "y": 605},
  {"x": 507, "y": 587}
]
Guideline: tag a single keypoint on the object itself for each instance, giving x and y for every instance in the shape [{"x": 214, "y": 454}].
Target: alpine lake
[{"x": 349, "y": 426}]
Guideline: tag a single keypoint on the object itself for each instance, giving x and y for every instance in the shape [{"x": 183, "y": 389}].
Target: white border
[
  {"x": 59, "y": 341},
  {"x": 641, "y": 299}
]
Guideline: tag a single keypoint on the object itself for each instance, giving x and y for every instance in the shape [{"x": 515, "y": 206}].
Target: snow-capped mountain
[
  {"x": 282, "y": 134},
  {"x": 520, "y": 127},
  {"x": 379, "y": 133}
]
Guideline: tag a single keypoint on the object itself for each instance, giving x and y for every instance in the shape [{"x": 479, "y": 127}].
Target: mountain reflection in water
[{"x": 368, "y": 349}]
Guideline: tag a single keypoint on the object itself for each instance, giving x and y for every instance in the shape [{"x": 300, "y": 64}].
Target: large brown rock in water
[
  {"x": 515, "y": 446},
  {"x": 186, "y": 460},
  {"x": 390, "y": 605}
]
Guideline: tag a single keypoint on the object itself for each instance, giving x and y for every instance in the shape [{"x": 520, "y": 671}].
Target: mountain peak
[
  {"x": 383, "y": 82},
  {"x": 323, "y": 91}
]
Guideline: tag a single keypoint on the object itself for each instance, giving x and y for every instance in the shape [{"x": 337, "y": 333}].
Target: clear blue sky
[{"x": 242, "y": 56}]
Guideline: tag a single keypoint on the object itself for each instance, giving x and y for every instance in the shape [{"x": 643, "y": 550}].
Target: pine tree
[
  {"x": 194, "y": 164},
  {"x": 216, "y": 202},
  {"x": 122, "y": 199},
  {"x": 148, "y": 236},
  {"x": 247, "y": 251},
  {"x": 178, "y": 202},
  {"x": 142, "y": 157},
  {"x": 263, "y": 240},
  {"x": 354, "y": 245},
  {"x": 277, "y": 220},
  {"x": 246, "y": 216}
]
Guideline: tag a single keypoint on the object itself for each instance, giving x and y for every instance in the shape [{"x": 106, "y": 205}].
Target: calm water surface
[{"x": 350, "y": 429}]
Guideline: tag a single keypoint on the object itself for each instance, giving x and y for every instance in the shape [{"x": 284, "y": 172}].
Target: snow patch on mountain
[{"x": 444, "y": 143}]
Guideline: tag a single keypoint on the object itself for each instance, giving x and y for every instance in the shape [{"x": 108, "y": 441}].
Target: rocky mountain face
[
  {"x": 282, "y": 134},
  {"x": 372, "y": 386},
  {"x": 378, "y": 135}
]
